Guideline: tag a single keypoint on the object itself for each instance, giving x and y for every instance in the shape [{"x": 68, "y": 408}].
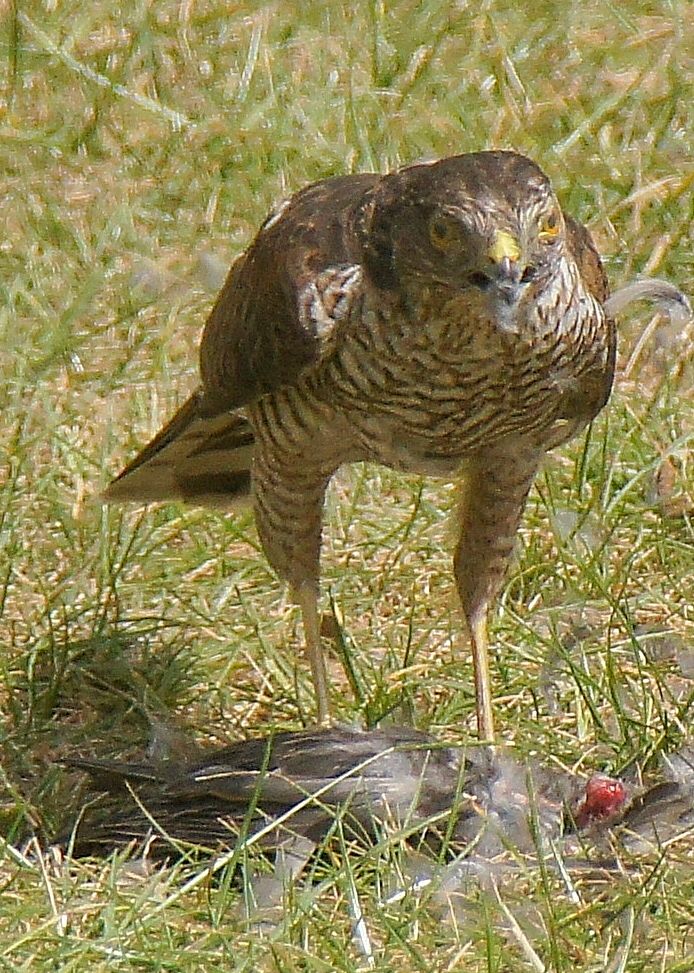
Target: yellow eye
[
  {"x": 444, "y": 232},
  {"x": 549, "y": 227}
]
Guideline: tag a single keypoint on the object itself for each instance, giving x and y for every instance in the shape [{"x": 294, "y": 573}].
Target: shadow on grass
[{"x": 100, "y": 692}]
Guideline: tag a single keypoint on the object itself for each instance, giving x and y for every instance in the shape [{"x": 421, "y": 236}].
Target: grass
[{"x": 141, "y": 148}]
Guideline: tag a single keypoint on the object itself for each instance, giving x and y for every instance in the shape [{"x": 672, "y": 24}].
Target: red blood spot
[{"x": 605, "y": 796}]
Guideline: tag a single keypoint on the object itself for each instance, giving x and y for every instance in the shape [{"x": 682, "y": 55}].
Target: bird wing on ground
[
  {"x": 392, "y": 765},
  {"x": 255, "y": 782},
  {"x": 282, "y": 768}
]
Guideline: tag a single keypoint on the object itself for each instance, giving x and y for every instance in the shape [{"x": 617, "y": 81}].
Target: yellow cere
[{"x": 505, "y": 245}]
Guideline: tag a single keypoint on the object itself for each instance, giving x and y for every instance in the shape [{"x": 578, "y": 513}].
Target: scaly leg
[
  {"x": 306, "y": 596},
  {"x": 494, "y": 494},
  {"x": 483, "y": 679}
]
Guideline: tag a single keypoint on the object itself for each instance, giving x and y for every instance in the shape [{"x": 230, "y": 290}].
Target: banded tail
[{"x": 196, "y": 457}]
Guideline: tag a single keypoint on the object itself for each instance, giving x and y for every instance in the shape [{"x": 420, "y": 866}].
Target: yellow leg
[
  {"x": 492, "y": 499},
  {"x": 483, "y": 690},
  {"x": 307, "y": 599}
]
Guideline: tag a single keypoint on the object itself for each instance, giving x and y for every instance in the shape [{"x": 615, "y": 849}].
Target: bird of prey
[{"x": 445, "y": 319}]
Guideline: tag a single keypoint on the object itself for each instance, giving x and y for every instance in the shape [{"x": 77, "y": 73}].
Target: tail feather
[{"x": 196, "y": 457}]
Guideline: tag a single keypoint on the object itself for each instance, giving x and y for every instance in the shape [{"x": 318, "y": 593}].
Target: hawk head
[{"x": 487, "y": 221}]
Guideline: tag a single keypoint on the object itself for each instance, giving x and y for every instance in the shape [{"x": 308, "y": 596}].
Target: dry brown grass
[{"x": 142, "y": 148}]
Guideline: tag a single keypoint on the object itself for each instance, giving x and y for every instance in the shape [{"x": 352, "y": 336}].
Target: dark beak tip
[{"x": 510, "y": 271}]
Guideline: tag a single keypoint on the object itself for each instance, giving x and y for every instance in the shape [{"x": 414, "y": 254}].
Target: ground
[{"x": 142, "y": 146}]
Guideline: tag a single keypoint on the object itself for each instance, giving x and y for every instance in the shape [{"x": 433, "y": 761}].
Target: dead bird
[{"x": 270, "y": 790}]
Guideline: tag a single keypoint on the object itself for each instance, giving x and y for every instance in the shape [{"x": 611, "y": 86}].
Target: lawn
[{"x": 141, "y": 147}]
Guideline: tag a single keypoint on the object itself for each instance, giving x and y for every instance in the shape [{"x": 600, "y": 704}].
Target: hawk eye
[
  {"x": 549, "y": 227},
  {"x": 444, "y": 232}
]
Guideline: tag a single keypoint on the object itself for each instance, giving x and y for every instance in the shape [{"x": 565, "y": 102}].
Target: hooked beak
[{"x": 507, "y": 272}]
